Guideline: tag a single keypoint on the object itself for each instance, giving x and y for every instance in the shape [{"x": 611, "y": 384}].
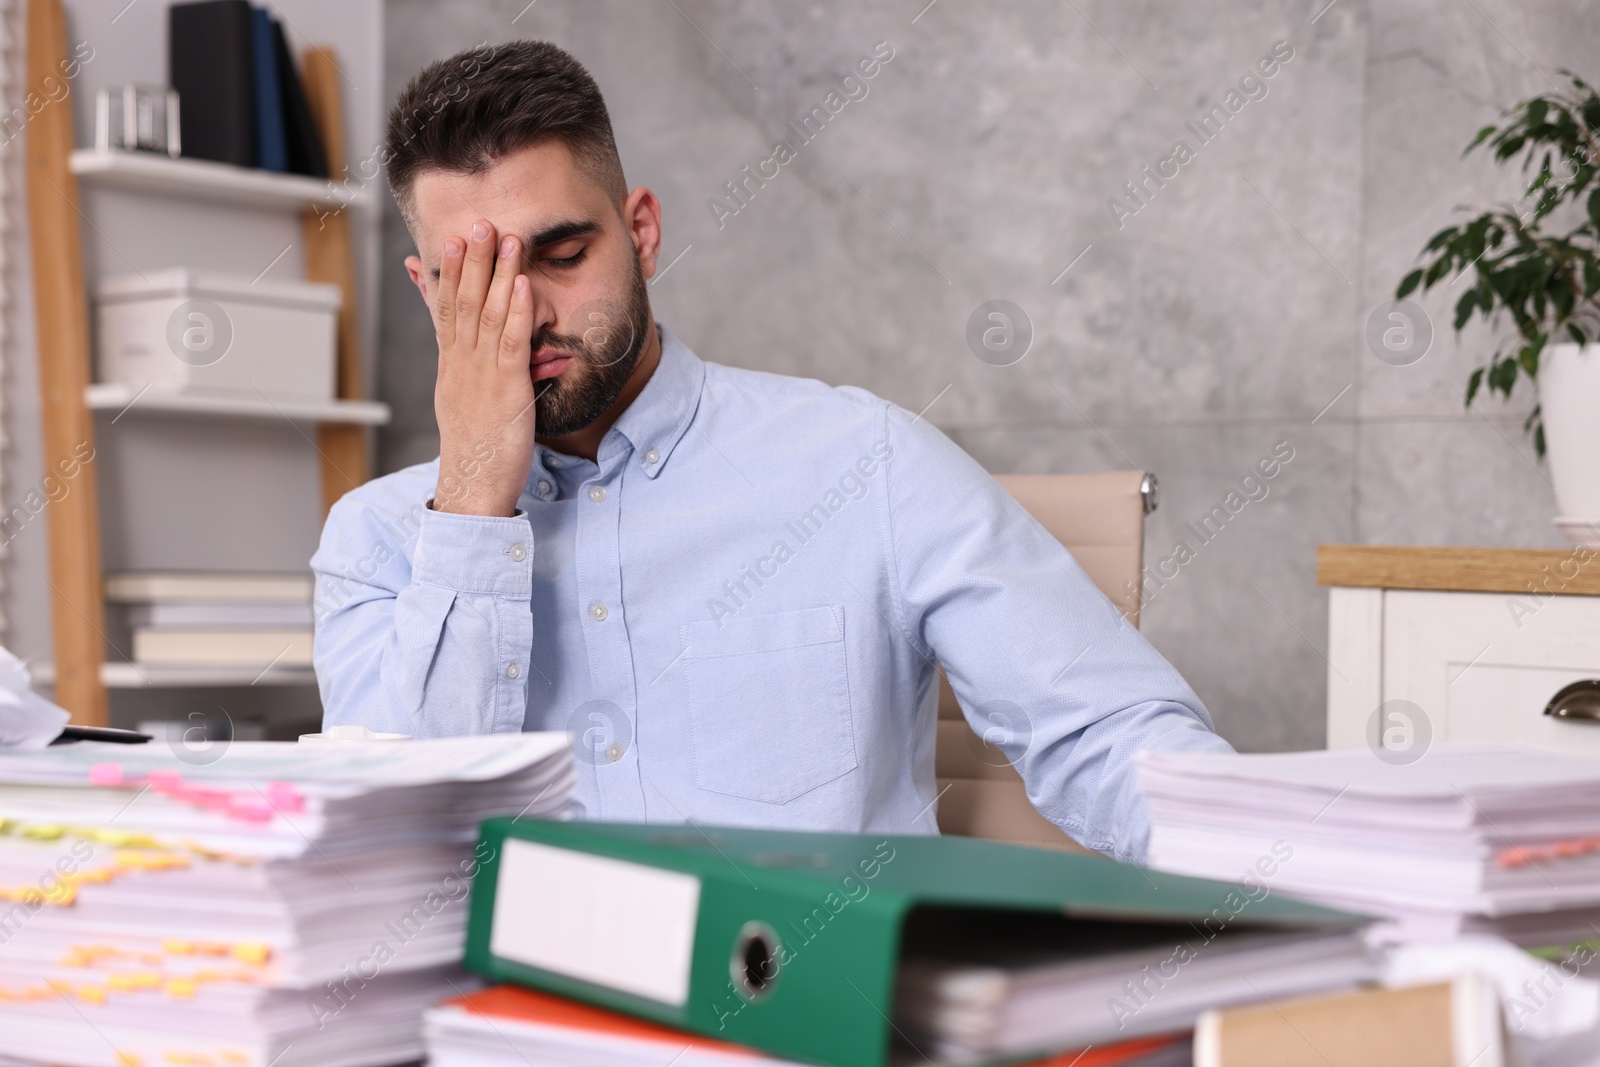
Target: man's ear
[
  {"x": 418, "y": 277},
  {"x": 641, "y": 214}
]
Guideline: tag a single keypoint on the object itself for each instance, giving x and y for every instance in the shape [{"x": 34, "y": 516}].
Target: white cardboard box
[{"x": 182, "y": 331}]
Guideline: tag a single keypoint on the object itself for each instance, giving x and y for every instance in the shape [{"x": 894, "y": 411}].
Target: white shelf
[
  {"x": 117, "y": 675},
  {"x": 218, "y": 182},
  {"x": 127, "y": 402}
]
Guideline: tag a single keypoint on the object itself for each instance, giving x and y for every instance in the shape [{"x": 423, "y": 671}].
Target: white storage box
[{"x": 182, "y": 331}]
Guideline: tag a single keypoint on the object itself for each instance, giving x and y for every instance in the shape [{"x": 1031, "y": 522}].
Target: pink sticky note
[
  {"x": 250, "y": 809},
  {"x": 105, "y": 774},
  {"x": 286, "y": 797}
]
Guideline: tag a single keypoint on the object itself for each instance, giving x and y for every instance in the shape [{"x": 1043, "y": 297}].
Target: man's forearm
[{"x": 445, "y": 652}]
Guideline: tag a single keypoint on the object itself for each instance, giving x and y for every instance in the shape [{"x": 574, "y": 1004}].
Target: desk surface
[{"x": 1570, "y": 571}]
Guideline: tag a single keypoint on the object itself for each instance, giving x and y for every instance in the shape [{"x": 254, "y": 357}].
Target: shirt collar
[{"x": 660, "y": 415}]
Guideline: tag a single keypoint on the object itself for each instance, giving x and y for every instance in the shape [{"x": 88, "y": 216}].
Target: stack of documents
[
  {"x": 999, "y": 992},
  {"x": 284, "y": 904},
  {"x": 509, "y": 1027},
  {"x": 1501, "y": 839}
]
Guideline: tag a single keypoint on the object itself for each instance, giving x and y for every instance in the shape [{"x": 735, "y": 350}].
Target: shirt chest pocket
[{"x": 769, "y": 702}]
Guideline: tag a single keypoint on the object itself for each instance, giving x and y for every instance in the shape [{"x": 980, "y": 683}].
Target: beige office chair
[{"x": 1100, "y": 519}]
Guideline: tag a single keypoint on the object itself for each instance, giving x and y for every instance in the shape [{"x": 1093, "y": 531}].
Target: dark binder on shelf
[
  {"x": 272, "y": 147},
  {"x": 306, "y": 155},
  {"x": 211, "y": 64},
  {"x": 853, "y": 950}
]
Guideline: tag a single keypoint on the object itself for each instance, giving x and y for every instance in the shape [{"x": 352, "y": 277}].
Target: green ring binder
[{"x": 665, "y": 924}]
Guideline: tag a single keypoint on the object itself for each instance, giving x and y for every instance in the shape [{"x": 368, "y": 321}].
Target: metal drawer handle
[{"x": 1579, "y": 701}]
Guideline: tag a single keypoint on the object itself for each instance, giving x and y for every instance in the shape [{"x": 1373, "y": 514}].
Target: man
[{"x": 732, "y": 587}]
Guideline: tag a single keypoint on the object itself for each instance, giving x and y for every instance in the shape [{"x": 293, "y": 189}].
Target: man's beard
[{"x": 603, "y": 357}]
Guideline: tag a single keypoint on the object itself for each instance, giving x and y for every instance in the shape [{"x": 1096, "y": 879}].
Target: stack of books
[
  {"x": 285, "y": 905},
  {"x": 1495, "y": 839},
  {"x": 216, "y": 619}
]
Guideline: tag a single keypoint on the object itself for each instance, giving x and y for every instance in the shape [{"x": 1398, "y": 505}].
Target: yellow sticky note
[
  {"x": 179, "y": 988},
  {"x": 62, "y": 894},
  {"x": 255, "y": 952}
]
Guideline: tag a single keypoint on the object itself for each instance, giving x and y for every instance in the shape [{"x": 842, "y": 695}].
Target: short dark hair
[{"x": 466, "y": 113}]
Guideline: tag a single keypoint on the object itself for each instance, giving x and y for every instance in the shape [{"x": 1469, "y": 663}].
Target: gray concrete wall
[{"x": 1190, "y": 338}]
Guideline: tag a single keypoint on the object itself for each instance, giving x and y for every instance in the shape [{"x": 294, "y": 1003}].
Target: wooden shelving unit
[{"x": 70, "y": 401}]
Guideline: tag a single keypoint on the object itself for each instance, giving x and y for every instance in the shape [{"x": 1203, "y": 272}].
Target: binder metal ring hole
[{"x": 755, "y": 961}]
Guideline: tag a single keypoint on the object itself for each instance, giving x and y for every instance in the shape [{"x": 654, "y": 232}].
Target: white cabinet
[{"x": 1475, "y": 664}]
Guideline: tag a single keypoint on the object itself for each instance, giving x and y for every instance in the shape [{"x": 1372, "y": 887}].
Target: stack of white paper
[
  {"x": 1494, "y": 838},
  {"x": 284, "y": 905},
  {"x": 1011, "y": 1002}
]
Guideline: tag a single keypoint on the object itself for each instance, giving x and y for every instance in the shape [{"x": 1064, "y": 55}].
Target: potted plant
[{"x": 1546, "y": 282}]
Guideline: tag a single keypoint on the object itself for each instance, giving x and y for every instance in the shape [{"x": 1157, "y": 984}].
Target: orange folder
[{"x": 541, "y": 1009}]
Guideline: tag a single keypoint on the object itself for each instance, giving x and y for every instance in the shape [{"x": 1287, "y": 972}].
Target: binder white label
[{"x": 607, "y": 921}]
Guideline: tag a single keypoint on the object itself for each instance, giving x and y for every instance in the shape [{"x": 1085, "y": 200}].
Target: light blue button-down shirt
[{"x": 739, "y": 611}]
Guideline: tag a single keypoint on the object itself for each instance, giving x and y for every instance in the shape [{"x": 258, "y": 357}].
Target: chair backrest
[{"x": 1100, "y": 520}]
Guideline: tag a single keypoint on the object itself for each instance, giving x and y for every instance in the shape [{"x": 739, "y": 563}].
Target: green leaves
[
  {"x": 1502, "y": 376},
  {"x": 1546, "y": 284},
  {"x": 1533, "y": 420}
]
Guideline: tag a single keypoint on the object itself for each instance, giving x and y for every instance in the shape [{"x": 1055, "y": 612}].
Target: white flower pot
[{"x": 1569, "y": 402}]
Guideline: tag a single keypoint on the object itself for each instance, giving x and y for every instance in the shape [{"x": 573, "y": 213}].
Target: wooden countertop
[{"x": 1571, "y": 571}]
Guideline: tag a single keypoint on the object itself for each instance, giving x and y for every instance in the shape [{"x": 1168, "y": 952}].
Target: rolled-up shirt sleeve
[
  {"x": 1020, "y": 628},
  {"x": 423, "y": 624}
]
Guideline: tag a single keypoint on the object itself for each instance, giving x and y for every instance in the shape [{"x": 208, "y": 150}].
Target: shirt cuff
[{"x": 475, "y": 553}]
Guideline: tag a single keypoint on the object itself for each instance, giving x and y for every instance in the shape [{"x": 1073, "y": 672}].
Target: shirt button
[
  {"x": 553, "y": 462},
  {"x": 652, "y": 456},
  {"x": 544, "y": 486},
  {"x": 518, "y": 554},
  {"x": 614, "y": 752},
  {"x": 598, "y": 611},
  {"x": 513, "y": 671},
  {"x": 597, "y": 493}
]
